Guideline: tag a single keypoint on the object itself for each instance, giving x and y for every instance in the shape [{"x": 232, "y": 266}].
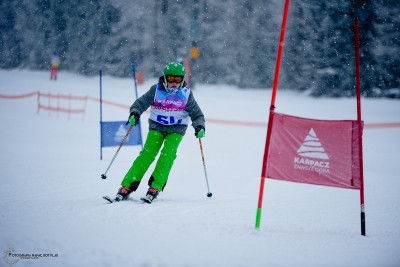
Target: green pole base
[{"x": 258, "y": 218}]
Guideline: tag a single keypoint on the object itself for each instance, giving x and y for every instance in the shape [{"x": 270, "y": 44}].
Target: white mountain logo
[
  {"x": 312, "y": 147},
  {"x": 120, "y": 134}
]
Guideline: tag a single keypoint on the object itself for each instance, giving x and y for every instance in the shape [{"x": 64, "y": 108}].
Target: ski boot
[
  {"x": 123, "y": 193},
  {"x": 152, "y": 194}
]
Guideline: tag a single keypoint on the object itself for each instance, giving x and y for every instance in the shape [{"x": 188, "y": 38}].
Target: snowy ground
[{"x": 51, "y": 188}]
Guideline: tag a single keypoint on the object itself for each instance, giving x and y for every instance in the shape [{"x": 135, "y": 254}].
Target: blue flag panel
[{"x": 113, "y": 132}]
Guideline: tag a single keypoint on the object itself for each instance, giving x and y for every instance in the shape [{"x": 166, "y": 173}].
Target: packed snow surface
[{"x": 51, "y": 190}]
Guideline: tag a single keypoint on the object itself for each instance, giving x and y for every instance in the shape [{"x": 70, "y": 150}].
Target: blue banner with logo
[{"x": 113, "y": 132}]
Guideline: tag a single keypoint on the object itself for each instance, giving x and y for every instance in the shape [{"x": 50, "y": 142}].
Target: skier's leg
[
  {"x": 166, "y": 160},
  {"x": 139, "y": 167}
]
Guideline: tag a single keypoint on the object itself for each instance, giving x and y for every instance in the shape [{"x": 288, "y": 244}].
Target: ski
[{"x": 111, "y": 200}]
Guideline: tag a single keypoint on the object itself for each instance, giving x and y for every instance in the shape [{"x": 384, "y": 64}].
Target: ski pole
[
  {"x": 104, "y": 175},
  {"x": 209, "y": 194}
]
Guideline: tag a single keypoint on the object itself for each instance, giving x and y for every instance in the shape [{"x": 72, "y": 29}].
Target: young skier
[
  {"x": 171, "y": 104},
  {"x": 54, "y": 65}
]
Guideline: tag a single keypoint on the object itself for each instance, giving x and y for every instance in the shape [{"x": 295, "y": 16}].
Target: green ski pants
[{"x": 154, "y": 141}]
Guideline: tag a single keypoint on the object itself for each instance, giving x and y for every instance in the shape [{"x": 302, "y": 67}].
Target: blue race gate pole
[
  {"x": 136, "y": 92},
  {"x": 134, "y": 79},
  {"x": 101, "y": 115}
]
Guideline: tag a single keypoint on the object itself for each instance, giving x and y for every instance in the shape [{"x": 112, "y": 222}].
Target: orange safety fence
[
  {"x": 111, "y": 103},
  {"x": 376, "y": 125},
  {"x": 19, "y": 96},
  {"x": 371, "y": 125},
  {"x": 63, "y": 103}
]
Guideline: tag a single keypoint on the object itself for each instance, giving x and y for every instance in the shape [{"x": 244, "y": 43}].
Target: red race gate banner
[{"x": 322, "y": 152}]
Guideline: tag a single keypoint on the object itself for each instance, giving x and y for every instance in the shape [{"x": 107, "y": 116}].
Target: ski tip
[{"x": 110, "y": 200}]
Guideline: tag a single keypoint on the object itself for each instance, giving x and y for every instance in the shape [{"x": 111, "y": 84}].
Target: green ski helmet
[{"x": 174, "y": 69}]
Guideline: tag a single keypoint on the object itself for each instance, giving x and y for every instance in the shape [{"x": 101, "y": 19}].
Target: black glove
[
  {"x": 133, "y": 119},
  {"x": 199, "y": 131}
]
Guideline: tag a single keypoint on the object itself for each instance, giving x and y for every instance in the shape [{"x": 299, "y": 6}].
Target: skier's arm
[
  {"x": 141, "y": 105},
  {"x": 143, "y": 102},
  {"x": 195, "y": 114}
]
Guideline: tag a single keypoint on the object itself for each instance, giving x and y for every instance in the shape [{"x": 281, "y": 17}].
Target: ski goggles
[{"x": 174, "y": 79}]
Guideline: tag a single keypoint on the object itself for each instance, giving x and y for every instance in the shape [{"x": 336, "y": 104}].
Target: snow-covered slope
[{"x": 51, "y": 188}]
